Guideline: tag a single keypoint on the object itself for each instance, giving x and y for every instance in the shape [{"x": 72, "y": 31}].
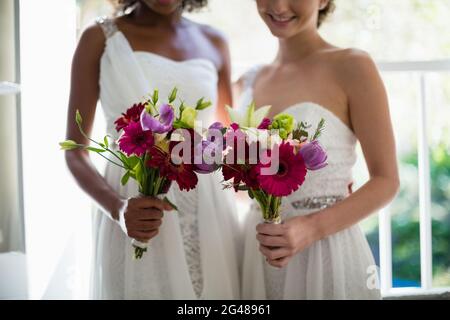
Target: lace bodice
[{"x": 331, "y": 183}]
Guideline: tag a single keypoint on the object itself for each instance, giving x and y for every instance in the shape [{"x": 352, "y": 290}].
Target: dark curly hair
[
  {"x": 325, "y": 12},
  {"x": 188, "y": 5}
]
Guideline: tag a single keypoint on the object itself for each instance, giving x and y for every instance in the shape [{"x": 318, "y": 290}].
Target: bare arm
[
  {"x": 224, "y": 70},
  {"x": 370, "y": 119},
  {"x": 84, "y": 94},
  {"x": 138, "y": 217},
  {"x": 225, "y": 93}
]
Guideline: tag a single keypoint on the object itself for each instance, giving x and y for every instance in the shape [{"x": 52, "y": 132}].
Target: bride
[
  {"x": 319, "y": 252},
  {"x": 192, "y": 252}
]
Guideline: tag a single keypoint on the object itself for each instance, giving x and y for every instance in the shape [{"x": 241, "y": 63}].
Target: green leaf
[
  {"x": 69, "y": 145},
  {"x": 155, "y": 97},
  {"x": 171, "y": 203},
  {"x": 304, "y": 125},
  {"x": 182, "y": 107},
  {"x": 178, "y": 124},
  {"x": 299, "y": 134},
  {"x": 125, "y": 178},
  {"x": 199, "y": 103},
  {"x": 204, "y": 105},
  {"x": 124, "y": 159},
  {"x": 137, "y": 170},
  {"x": 78, "y": 117},
  {"x": 173, "y": 95},
  {"x": 106, "y": 142},
  {"x": 133, "y": 161},
  {"x": 319, "y": 129},
  {"x": 95, "y": 149}
]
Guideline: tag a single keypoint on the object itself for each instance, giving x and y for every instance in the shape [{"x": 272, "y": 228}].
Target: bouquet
[
  {"x": 269, "y": 158},
  {"x": 150, "y": 137}
]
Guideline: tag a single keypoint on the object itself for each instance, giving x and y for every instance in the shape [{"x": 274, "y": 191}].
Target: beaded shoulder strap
[{"x": 108, "y": 26}]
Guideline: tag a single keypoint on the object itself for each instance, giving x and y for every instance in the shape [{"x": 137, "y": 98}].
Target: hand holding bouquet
[
  {"x": 150, "y": 133},
  {"x": 269, "y": 158}
]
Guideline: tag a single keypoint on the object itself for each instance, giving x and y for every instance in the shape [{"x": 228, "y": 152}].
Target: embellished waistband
[
  {"x": 321, "y": 202},
  {"x": 310, "y": 203}
]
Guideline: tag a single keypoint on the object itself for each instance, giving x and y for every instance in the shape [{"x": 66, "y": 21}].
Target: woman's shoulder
[
  {"x": 351, "y": 67},
  {"x": 217, "y": 40},
  {"x": 350, "y": 61},
  {"x": 93, "y": 33},
  {"x": 215, "y": 36},
  {"x": 92, "y": 40}
]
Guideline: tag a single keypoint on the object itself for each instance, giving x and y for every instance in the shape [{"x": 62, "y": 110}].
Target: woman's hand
[
  {"x": 280, "y": 242},
  {"x": 141, "y": 217}
]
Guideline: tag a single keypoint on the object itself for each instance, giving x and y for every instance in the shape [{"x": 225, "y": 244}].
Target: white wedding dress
[
  {"x": 195, "y": 253},
  {"x": 340, "y": 266}
]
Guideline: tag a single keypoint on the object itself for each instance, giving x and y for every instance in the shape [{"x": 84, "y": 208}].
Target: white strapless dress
[
  {"x": 194, "y": 255},
  {"x": 340, "y": 266}
]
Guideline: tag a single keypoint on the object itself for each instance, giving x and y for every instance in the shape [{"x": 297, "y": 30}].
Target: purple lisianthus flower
[
  {"x": 214, "y": 131},
  {"x": 265, "y": 123},
  {"x": 216, "y": 125},
  {"x": 162, "y": 124},
  {"x": 313, "y": 155},
  {"x": 205, "y": 152}
]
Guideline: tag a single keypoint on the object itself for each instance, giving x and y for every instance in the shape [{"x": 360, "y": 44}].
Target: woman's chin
[
  {"x": 163, "y": 7},
  {"x": 282, "y": 34},
  {"x": 283, "y": 30}
]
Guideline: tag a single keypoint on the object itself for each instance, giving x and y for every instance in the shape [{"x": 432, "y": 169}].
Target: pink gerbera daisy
[
  {"x": 290, "y": 175},
  {"x": 134, "y": 140}
]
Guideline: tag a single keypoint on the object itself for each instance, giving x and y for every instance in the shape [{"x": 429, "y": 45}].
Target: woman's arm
[
  {"x": 140, "y": 217},
  {"x": 84, "y": 93},
  {"x": 224, "y": 69},
  {"x": 370, "y": 118}
]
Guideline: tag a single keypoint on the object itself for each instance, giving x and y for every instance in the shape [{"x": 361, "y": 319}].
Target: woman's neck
[
  {"x": 299, "y": 46},
  {"x": 145, "y": 16}
]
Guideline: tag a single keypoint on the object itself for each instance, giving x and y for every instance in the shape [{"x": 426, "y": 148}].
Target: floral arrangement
[
  {"x": 269, "y": 158},
  {"x": 150, "y": 135},
  {"x": 160, "y": 144}
]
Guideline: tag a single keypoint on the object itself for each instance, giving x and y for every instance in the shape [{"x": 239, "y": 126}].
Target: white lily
[{"x": 249, "y": 118}]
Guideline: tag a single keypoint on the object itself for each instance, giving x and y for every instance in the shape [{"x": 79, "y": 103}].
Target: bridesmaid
[
  {"x": 319, "y": 252},
  {"x": 119, "y": 60}
]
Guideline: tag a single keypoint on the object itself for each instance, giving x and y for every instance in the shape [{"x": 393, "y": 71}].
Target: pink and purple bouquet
[
  {"x": 270, "y": 158},
  {"x": 156, "y": 147}
]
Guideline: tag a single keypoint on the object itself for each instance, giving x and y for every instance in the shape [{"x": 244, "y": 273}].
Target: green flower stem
[
  {"x": 269, "y": 207},
  {"x": 144, "y": 182},
  {"x": 119, "y": 165},
  {"x": 269, "y": 204},
  {"x": 97, "y": 143},
  {"x": 157, "y": 186},
  {"x": 151, "y": 182}
]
